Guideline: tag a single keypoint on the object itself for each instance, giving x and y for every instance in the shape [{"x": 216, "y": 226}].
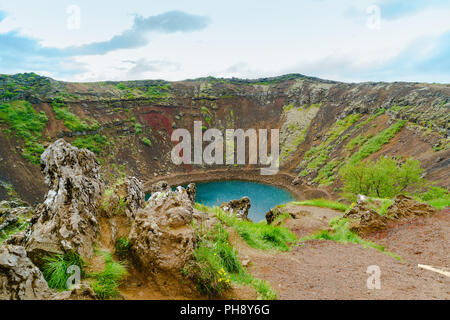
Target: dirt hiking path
[{"x": 330, "y": 270}]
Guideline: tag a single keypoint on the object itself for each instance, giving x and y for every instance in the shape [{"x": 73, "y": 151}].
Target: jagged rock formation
[
  {"x": 119, "y": 206},
  {"x": 127, "y": 197},
  {"x": 20, "y": 279},
  {"x": 191, "y": 190},
  {"x": 404, "y": 207},
  {"x": 365, "y": 219},
  {"x": 67, "y": 220},
  {"x": 239, "y": 208},
  {"x": 161, "y": 186},
  {"x": 162, "y": 238}
]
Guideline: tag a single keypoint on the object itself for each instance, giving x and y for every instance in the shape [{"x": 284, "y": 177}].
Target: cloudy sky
[{"x": 352, "y": 41}]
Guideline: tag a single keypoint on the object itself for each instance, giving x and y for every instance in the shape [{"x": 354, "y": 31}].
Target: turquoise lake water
[{"x": 263, "y": 197}]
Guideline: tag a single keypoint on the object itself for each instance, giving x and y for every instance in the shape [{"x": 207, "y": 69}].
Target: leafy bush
[
  {"x": 434, "y": 193},
  {"x": 121, "y": 86},
  {"x": 384, "y": 178},
  {"x": 55, "y": 269}
]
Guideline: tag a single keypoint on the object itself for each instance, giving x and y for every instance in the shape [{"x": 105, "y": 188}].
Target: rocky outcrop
[
  {"x": 404, "y": 207},
  {"x": 12, "y": 212},
  {"x": 365, "y": 220},
  {"x": 119, "y": 206},
  {"x": 134, "y": 196},
  {"x": 272, "y": 215},
  {"x": 67, "y": 220},
  {"x": 20, "y": 279},
  {"x": 191, "y": 190},
  {"x": 162, "y": 239},
  {"x": 161, "y": 186},
  {"x": 127, "y": 197},
  {"x": 239, "y": 208}
]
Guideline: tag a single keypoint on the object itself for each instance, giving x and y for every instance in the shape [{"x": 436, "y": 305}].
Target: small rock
[{"x": 239, "y": 208}]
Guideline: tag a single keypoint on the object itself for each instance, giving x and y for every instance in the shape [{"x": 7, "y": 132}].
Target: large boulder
[
  {"x": 239, "y": 208},
  {"x": 20, "y": 279},
  {"x": 404, "y": 207},
  {"x": 67, "y": 220},
  {"x": 162, "y": 238}
]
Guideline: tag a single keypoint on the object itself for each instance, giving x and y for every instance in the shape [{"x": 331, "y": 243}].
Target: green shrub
[
  {"x": 434, "y": 193},
  {"x": 121, "y": 86},
  {"x": 146, "y": 141},
  {"x": 384, "y": 178},
  {"x": 55, "y": 269}
]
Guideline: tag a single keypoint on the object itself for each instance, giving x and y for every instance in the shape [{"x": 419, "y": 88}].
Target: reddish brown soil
[{"x": 330, "y": 270}]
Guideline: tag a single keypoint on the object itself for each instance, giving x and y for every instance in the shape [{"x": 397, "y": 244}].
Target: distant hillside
[{"x": 324, "y": 124}]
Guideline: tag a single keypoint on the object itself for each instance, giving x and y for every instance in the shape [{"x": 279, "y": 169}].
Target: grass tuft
[
  {"x": 323, "y": 203},
  {"x": 341, "y": 233},
  {"x": 216, "y": 265},
  {"x": 107, "y": 282},
  {"x": 257, "y": 235},
  {"x": 55, "y": 269}
]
